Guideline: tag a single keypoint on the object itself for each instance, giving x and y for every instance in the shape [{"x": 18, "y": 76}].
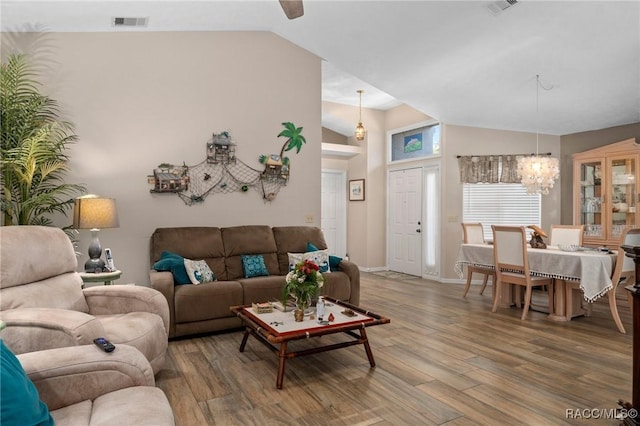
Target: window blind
[{"x": 500, "y": 204}]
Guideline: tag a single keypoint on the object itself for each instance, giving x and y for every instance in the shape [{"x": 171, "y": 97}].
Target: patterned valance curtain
[
  {"x": 488, "y": 169},
  {"x": 509, "y": 172}
]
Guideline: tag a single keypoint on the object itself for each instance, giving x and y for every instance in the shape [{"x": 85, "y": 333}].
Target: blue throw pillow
[
  {"x": 20, "y": 403},
  {"x": 173, "y": 263},
  {"x": 253, "y": 266},
  {"x": 334, "y": 261}
]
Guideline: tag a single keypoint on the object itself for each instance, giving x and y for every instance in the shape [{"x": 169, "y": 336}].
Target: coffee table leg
[
  {"x": 283, "y": 357},
  {"x": 244, "y": 340},
  {"x": 367, "y": 348}
]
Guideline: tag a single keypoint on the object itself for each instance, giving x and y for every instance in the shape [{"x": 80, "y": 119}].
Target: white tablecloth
[{"x": 593, "y": 269}]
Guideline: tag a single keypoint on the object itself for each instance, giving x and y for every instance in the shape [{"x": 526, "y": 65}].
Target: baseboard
[{"x": 373, "y": 269}]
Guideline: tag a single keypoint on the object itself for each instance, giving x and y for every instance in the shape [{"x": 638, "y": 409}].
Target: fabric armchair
[
  {"x": 115, "y": 300},
  {"x": 45, "y": 307},
  {"x": 83, "y": 385}
]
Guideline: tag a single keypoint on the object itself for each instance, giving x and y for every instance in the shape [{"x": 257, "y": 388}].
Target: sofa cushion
[
  {"x": 191, "y": 242},
  {"x": 246, "y": 240},
  {"x": 262, "y": 289},
  {"x": 138, "y": 405},
  {"x": 206, "y": 301},
  {"x": 74, "y": 414},
  {"x": 198, "y": 271},
  {"x": 20, "y": 403},
  {"x": 253, "y": 266},
  {"x": 294, "y": 239},
  {"x": 174, "y": 263}
]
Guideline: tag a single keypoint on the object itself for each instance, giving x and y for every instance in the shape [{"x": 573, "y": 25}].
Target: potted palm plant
[{"x": 33, "y": 149}]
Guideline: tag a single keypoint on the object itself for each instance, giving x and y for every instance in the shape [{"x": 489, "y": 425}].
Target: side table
[{"x": 102, "y": 277}]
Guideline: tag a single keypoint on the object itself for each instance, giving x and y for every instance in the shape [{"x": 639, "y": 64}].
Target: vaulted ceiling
[{"x": 457, "y": 61}]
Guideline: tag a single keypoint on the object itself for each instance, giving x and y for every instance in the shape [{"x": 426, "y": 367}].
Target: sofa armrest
[
  {"x": 37, "y": 329},
  {"x": 123, "y": 299},
  {"x": 163, "y": 282},
  {"x": 353, "y": 272},
  {"x": 66, "y": 376}
]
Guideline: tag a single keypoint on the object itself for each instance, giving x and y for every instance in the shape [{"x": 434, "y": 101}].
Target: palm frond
[{"x": 33, "y": 145}]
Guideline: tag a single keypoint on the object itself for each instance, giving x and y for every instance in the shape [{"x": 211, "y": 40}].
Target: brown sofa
[{"x": 204, "y": 307}]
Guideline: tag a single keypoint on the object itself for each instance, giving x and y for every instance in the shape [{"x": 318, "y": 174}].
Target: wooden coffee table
[{"x": 276, "y": 329}]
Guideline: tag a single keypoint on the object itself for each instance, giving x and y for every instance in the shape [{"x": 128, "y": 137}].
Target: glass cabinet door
[
  {"x": 591, "y": 198},
  {"x": 622, "y": 184}
]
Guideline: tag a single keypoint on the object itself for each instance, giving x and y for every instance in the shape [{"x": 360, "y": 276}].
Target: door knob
[{"x": 418, "y": 231}]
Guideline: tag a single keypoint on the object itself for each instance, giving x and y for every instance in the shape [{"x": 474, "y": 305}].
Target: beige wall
[
  {"x": 329, "y": 136},
  {"x": 461, "y": 140},
  {"x": 140, "y": 99},
  {"x": 367, "y": 220},
  {"x": 584, "y": 141}
]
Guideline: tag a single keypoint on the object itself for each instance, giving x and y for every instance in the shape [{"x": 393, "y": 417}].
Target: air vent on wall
[
  {"x": 497, "y": 7},
  {"x": 130, "y": 22}
]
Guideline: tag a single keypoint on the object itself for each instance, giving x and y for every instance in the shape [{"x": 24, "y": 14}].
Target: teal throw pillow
[
  {"x": 173, "y": 263},
  {"x": 20, "y": 403},
  {"x": 334, "y": 261},
  {"x": 253, "y": 266}
]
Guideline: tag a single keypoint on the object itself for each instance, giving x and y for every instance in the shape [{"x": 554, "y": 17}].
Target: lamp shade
[{"x": 93, "y": 212}]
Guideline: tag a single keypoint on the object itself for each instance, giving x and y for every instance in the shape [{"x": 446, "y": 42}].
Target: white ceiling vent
[
  {"x": 497, "y": 7},
  {"x": 130, "y": 22}
]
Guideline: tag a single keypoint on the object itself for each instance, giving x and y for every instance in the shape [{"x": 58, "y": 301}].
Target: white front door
[
  {"x": 405, "y": 228},
  {"x": 334, "y": 211}
]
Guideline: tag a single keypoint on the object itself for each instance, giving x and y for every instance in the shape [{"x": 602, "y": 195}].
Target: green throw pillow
[
  {"x": 253, "y": 266},
  {"x": 334, "y": 261},
  {"x": 173, "y": 263},
  {"x": 20, "y": 403}
]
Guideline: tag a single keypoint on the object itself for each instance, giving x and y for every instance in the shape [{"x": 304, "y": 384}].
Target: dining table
[{"x": 591, "y": 268}]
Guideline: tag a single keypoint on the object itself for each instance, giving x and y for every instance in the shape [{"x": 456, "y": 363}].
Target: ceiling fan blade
[{"x": 292, "y": 8}]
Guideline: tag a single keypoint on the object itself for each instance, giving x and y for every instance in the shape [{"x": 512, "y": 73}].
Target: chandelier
[
  {"x": 360, "y": 128},
  {"x": 538, "y": 172}
]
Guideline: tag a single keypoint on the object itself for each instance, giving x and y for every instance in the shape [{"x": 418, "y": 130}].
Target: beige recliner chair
[
  {"x": 83, "y": 385},
  {"x": 45, "y": 307}
]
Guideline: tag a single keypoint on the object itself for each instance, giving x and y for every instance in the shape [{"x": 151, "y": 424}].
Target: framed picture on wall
[{"x": 356, "y": 190}]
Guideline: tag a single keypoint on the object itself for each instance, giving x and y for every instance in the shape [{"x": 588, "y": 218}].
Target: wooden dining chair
[
  {"x": 566, "y": 235},
  {"x": 625, "y": 269},
  {"x": 512, "y": 266},
  {"x": 473, "y": 233}
]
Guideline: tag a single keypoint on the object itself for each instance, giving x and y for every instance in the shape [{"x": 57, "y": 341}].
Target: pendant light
[
  {"x": 360, "y": 128},
  {"x": 538, "y": 172}
]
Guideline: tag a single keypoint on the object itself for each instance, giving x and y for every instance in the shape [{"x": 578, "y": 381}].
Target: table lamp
[{"x": 93, "y": 212}]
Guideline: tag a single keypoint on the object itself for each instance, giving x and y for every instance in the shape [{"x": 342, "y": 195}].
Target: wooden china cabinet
[{"x": 606, "y": 191}]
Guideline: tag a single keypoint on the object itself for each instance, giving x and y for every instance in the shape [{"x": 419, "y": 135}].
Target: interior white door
[
  {"x": 334, "y": 211},
  {"x": 405, "y": 213}
]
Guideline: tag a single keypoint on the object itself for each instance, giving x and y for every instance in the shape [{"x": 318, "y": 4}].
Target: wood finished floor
[{"x": 442, "y": 360}]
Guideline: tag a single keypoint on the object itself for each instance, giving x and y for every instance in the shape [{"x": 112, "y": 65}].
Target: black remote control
[{"x": 104, "y": 344}]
